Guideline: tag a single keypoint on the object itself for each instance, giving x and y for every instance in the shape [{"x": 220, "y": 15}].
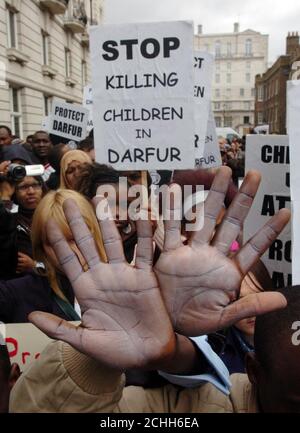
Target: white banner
[
  {"x": 203, "y": 68},
  {"x": 269, "y": 154},
  {"x": 293, "y": 129},
  {"x": 68, "y": 121},
  {"x": 143, "y": 80},
  {"x": 88, "y": 104},
  {"x": 211, "y": 156},
  {"x": 24, "y": 343}
]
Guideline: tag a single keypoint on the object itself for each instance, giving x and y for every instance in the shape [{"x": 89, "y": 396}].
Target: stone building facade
[
  {"x": 270, "y": 103},
  {"x": 239, "y": 57},
  {"x": 44, "y": 53}
]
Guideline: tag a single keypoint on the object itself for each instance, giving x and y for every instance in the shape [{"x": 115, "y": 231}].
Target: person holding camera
[{"x": 19, "y": 197}]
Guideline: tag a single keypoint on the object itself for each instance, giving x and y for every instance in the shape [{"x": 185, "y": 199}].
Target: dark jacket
[
  {"x": 231, "y": 348},
  {"x": 15, "y": 229},
  {"x": 21, "y": 296}
]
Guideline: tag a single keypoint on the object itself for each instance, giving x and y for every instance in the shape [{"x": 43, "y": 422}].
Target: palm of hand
[
  {"x": 197, "y": 284},
  {"x": 123, "y": 313}
]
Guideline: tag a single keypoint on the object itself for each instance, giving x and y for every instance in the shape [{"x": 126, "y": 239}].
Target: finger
[
  {"x": 57, "y": 328},
  {"x": 144, "y": 250},
  {"x": 213, "y": 206},
  {"x": 82, "y": 235},
  {"x": 261, "y": 241},
  {"x": 172, "y": 218},
  {"x": 252, "y": 305},
  {"x": 234, "y": 218},
  {"x": 65, "y": 256},
  {"x": 110, "y": 234}
]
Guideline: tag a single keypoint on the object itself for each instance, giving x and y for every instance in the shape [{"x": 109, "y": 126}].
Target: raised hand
[
  {"x": 124, "y": 320},
  {"x": 200, "y": 284}
]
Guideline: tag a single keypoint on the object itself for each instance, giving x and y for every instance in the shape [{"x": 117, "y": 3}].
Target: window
[
  {"x": 228, "y": 121},
  {"x": 217, "y": 78},
  {"x": 248, "y": 65},
  {"x": 228, "y": 48},
  {"x": 276, "y": 87},
  {"x": 12, "y": 33},
  {"x": 228, "y": 65},
  {"x": 248, "y": 47},
  {"x": 218, "y": 48},
  {"x": 260, "y": 93},
  {"x": 68, "y": 62},
  {"x": 47, "y": 105},
  {"x": 83, "y": 73},
  {"x": 246, "y": 120},
  {"x": 248, "y": 78},
  {"x": 260, "y": 117},
  {"x": 218, "y": 122},
  {"x": 217, "y": 66},
  {"x": 228, "y": 92},
  {"x": 242, "y": 92},
  {"x": 228, "y": 78},
  {"x": 253, "y": 92},
  {"x": 15, "y": 112},
  {"x": 45, "y": 45},
  {"x": 217, "y": 93},
  {"x": 247, "y": 105},
  {"x": 217, "y": 105}
]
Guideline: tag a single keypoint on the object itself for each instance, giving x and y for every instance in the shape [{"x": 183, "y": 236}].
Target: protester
[
  {"x": 88, "y": 147},
  {"x": 55, "y": 156},
  {"x": 70, "y": 168},
  {"x": 238, "y": 340},
  {"x": 9, "y": 374},
  {"x": 49, "y": 290},
  {"x": 194, "y": 291},
  {"x": 5, "y": 136},
  {"x": 15, "y": 227},
  {"x": 41, "y": 145}
]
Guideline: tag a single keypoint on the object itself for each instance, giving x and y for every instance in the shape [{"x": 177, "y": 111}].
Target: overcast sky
[{"x": 273, "y": 17}]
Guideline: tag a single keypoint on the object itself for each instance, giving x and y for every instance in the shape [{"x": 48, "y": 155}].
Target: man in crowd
[
  {"x": 41, "y": 146},
  {"x": 5, "y": 137}
]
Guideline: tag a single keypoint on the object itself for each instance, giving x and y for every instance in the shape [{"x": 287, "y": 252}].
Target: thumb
[
  {"x": 57, "y": 328},
  {"x": 252, "y": 305}
]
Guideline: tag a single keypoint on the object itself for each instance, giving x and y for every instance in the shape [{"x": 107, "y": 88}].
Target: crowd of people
[{"x": 165, "y": 315}]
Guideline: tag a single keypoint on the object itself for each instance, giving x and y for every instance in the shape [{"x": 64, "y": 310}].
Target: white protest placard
[
  {"x": 269, "y": 154},
  {"x": 24, "y": 343},
  {"x": 88, "y": 104},
  {"x": 203, "y": 69},
  {"x": 68, "y": 120},
  {"x": 211, "y": 157},
  {"x": 296, "y": 241},
  {"x": 293, "y": 128},
  {"x": 143, "y": 80}
]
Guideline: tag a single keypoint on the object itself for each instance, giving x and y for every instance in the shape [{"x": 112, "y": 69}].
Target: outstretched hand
[
  {"x": 124, "y": 320},
  {"x": 199, "y": 283}
]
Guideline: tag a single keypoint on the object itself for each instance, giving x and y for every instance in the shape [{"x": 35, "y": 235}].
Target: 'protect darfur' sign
[
  {"x": 143, "y": 95},
  {"x": 68, "y": 121}
]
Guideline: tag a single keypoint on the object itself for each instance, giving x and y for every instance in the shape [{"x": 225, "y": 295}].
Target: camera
[{"x": 17, "y": 172}]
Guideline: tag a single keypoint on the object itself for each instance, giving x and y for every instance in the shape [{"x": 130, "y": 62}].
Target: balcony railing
[
  {"x": 56, "y": 7},
  {"x": 76, "y": 19}
]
